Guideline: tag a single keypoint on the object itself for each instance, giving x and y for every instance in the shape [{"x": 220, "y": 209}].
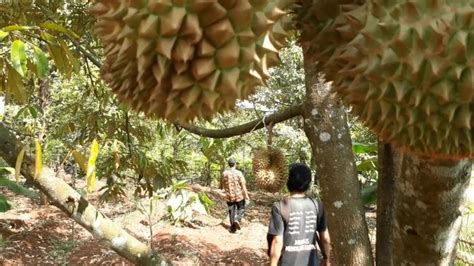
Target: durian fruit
[
  {"x": 326, "y": 26},
  {"x": 270, "y": 169},
  {"x": 178, "y": 59},
  {"x": 409, "y": 73}
]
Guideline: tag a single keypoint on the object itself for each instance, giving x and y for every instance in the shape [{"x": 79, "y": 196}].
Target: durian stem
[{"x": 270, "y": 135}]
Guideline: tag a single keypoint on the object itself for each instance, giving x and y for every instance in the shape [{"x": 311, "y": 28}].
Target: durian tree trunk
[
  {"x": 388, "y": 166},
  {"x": 74, "y": 205},
  {"x": 326, "y": 127},
  {"x": 428, "y": 195}
]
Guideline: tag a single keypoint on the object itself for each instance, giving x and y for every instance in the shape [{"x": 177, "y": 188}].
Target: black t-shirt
[{"x": 299, "y": 238}]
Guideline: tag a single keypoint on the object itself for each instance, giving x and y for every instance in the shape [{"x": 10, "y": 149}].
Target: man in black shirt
[{"x": 298, "y": 224}]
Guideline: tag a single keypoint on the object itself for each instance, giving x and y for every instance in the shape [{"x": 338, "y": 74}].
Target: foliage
[
  {"x": 285, "y": 86},
  {"x": 34, "y": 37},
  {"x": 366, "y": 165},
  {"x": 183, "y": 204},
  {"x": 61, "y": 249},
  {"x": 17, "y": 188},
  {"x": 366, "y": 162},
  {"x": 3, "y": 241},
  {"x": 4, "y": 204},
  {"x": 90, "y": 177},
  {"x": 13, "y": 187},
  {"x": 369, "y": 195},
  {"x": 112, "y": 191}
]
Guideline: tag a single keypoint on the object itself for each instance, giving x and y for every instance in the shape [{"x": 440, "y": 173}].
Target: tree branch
[
  {"x": 73, "y": 204},
  {"x": 274, "y": 118},
  {"x": 87, "y": 54}
]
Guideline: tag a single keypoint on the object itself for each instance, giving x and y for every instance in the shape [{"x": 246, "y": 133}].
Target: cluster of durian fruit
[
  {"x": 405, "y": 66},
  {"x": 270, "y": 169},
  {"x": 180, "y": 59}
]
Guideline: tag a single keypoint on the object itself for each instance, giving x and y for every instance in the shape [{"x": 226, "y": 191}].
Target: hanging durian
[
  {"x": 270, "y": 169},
  {"x": 179, "y": 59},
  {"x": 269, "y": 165},
  {"x": 408, "y": 73}
]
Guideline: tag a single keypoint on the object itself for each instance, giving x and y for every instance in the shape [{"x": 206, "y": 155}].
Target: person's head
[
  {"x": 232, "y": 162},
  {"x": 299, "y": 178}
]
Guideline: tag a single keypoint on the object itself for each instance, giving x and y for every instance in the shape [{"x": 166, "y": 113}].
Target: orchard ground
[{"x": 33, "y": 234}]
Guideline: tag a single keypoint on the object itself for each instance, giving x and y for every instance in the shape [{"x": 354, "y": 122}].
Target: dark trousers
[{"x": 236, "y": 211}]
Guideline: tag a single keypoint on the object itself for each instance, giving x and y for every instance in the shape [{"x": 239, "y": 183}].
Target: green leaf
[
  {"x": 18, "y": 57},
  {"x": 14, "y": 28},
  {"x": 3, "y": 34},
  {"x": 91, "y": 175},
  {"x": 42, "y": 63},
  {"x": 15, "y": 84},
  {"x": 60, "y": 59},
  {"x": 38, "y": 159},
  {"x": 80, "y": 160},
  {"x": 59, "y": 28},
  {"x": 34, "y": 111},
  {"x": 19, "y": 161},
  {"x": 367, "y": 165},
  {"x": 17, "y": 188},
  {"x": 71, "y": 58},
  {"x": 205, "y": 200},
  {"x": 359, "y": 148},
  {"x": 4, "y": 205},
  {"x": 180, "y": 185},
  {"x": 48, "y": 37},
  {"x": 369, "y": 195}
]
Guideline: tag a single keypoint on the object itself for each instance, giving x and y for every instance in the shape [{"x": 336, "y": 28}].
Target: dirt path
[{"x": 32, "y": 234}]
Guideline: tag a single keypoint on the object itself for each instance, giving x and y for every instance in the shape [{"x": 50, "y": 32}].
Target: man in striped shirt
[{"x": 234, "y": 186}]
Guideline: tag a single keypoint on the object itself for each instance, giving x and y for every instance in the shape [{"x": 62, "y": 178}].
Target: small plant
[
  {"x": 3, "y": 243},
  {"x": 148, "y": 212},
  {"x": 182, "y": 204},
  {"x": 61, "y": 249},
  {"x": 114, "y": 190},
  {"x": 4, "y": 204},
  {"x": 465, "y": 247}
]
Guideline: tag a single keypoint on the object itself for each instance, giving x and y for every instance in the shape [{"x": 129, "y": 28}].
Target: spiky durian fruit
[
  {"x": 178, "y": 59},
  {"x": 409, "y": 73},
  {"x": 270, "y": 169},
  {"x": 326, "y": 26}
]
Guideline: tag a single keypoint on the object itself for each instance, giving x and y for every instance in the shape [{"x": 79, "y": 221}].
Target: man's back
[
  {"x": 304, "y": 217},
  {"x": 231, "y": 183}
]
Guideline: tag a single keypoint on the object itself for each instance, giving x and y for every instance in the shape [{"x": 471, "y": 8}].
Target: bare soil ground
[{"x": 34, "y": 234}]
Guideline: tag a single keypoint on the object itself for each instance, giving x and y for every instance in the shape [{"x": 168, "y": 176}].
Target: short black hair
[
  {"x": 299, "y": 178},
  {"x": 232, "y": 162}
]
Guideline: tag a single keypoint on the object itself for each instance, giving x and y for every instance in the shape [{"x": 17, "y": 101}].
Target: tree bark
[
  {"x": 428, "y": 195},
  {"x": 74, "y": 205},
  {"x": 326, "y": 127},
  {"x": 389, "y": 167}
]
